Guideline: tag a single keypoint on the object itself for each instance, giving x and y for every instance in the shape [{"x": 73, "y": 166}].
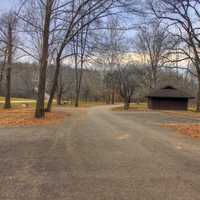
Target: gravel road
[{"x": 98, "y": 154}]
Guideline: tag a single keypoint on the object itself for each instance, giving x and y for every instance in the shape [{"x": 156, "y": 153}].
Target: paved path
[{"x": 100, "y": 155}]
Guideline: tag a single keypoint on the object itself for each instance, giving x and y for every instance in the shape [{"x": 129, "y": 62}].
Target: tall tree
[
  {"x": 110, "y": 46},
  {"x": 8, "y": 39},
  {"x": 40, "y": 111},
  {"x": 81, "y": 15},
  {"x": 41, "y": 30},
  {"x": 129, "y": 77},
  {"x": 79, "y": 46},
  {"x": 153, "y": 43}
]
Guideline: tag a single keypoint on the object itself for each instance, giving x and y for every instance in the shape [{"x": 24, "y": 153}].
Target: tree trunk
[
  {"x": 198, "y": 95},
  {"x": 54, "y": 86},
  {"x": 77, "y": 98},
  {"x": 83, "y": 40},
  {"x": 40, "y": 109},
  {"x": 59, "y": 98},
  {"x": 7, "y": 104},
  {"x": 59, "y": 91},
  {"x": 2, "y": 72},
  {"x": 113, "y": 97},
  {"x": 126, "y": 103},
  {"x": 155, "y": 78}
]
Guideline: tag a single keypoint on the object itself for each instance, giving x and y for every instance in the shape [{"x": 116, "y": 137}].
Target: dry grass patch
[
  {"x": 25, "y": 117},
  {"x": 192, "y": 130},
  {"x": 188, "y": 113},
  {"x": 133, "y": 107},
  {"x": 82, "y": 104}
]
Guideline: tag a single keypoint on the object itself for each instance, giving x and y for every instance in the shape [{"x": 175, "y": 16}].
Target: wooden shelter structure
[{"x": 168, "y": 98}]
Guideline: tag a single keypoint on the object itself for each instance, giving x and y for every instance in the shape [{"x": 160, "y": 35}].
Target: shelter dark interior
[{"x": 168, "y": 98}]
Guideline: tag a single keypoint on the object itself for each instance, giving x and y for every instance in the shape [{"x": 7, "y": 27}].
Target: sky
[{"x": 6, "y": 4}]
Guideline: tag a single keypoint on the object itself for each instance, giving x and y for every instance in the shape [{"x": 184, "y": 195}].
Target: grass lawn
[
  {"x": 83, "y": 104},
  {"x": 133, "y": 107},
  {"x": 18, "y": 102},
  {"x": 30, "y": 103},
  {"x": 16, "y": 99}
]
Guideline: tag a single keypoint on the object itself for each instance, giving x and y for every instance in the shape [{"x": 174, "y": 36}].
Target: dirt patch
[
  {"x": 192, "y": 130},
  {"x": 25, "y": 117}
]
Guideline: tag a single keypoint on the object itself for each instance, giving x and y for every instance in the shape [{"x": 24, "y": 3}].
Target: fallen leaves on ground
[
  {"x": 25, "y": 117},
  {"x": 192, "y": 130}
]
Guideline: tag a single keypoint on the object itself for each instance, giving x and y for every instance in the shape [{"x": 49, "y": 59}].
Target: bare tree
[
  {"x": 110, "y": 45},
  {"x": 81, "y": 15},
  {"x": 44, "y": 59},
  {"x": 79, "y": 48},
  {"x": 129, "y": 78},
  {"x": 3, "y": 65},
  {"x": 183, "y": 18},
  {"x": 41, "y": 30},
  {"x": 52, "y": 31},
  {"x": 153, "y": 43},
  {"x": 8, "y": 39},
  {"x": 60, "y": 89}
]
